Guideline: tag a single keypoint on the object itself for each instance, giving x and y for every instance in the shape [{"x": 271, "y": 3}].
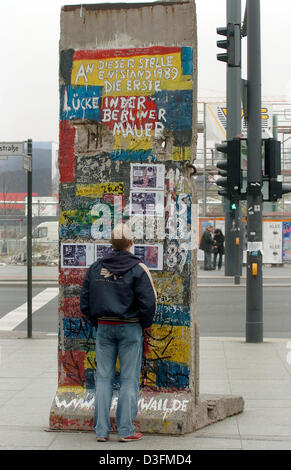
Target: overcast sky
[{"x": 29, "y": 61}]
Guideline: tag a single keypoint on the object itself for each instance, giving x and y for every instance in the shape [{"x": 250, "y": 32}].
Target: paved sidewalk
[{"x": 259, "y": 372}]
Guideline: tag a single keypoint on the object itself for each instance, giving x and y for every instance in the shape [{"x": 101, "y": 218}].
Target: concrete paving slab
[
  {"x": 267, "y": 422},
  {"x": 267, "y": 404},
  {"x": 264, "y": 382},
  {"x": 224, "y": 429},
  {"x": 20, "y": 370},
  {"x": 265, "y": 444},
  {"x": 219, "y": 386},
  {"x": 262, "y": 389},
  {"x": 19, "y": 438},
  {"x": 42, "y": 386},
  {"x": 148, "y": 443},
  {"x": 259, "y": 373},
  {"x": 214, "y": 374},
  {"x": 13, "y": 383}
]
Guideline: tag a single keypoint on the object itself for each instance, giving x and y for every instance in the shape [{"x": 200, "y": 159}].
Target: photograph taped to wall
[
  {"x": 77, "y": 255},
  {"x": 147, "y": 177},
  {"x": 102, "y": 250},
  {"x": 147, "y": 203},
  {"x": 150, "y": 255}
]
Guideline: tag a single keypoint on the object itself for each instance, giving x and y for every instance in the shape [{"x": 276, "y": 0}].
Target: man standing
[
  {"x": 119, "y": 298},
  {"x": 206, "y": 244}
]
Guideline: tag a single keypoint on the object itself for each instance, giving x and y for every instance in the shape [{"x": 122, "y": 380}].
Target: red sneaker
[{"x": 135, "y": 437}]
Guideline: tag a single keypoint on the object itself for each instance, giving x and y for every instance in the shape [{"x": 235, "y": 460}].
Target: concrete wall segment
[
  {"x": 95, "y": 166},
  {"x": 96, "y": 157}
]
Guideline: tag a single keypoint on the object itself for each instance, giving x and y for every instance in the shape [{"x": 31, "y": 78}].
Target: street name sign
[
  {"x": 8, "y": 149},
  {"x": 27, "y": 165}
]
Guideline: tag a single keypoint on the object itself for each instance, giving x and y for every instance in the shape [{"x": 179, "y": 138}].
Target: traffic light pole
[
  {"x": 254, "y": 301},
  {"x": 29, "y": 244},
  {"x": 233, "y": 229}
]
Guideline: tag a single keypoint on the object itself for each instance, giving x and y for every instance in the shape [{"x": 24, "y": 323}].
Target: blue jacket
[{"x": 118, "y": 288}]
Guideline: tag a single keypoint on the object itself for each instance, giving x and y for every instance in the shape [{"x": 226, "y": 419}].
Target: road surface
[{"x": 221, "y": 309}]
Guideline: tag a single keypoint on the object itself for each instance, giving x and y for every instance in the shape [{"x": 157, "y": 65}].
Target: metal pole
[
  {"x": 29, "y": 243},
  {"x": 204, "y": 161},
  {"x": 233, "y": 92},
  {"x": 275, "y": 135},
  {"x": 254, "y": 313},
  {"x": 234, "y": 130}
]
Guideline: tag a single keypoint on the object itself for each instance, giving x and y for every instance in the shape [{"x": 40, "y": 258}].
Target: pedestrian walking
[
  {"x": 218, "y": 248},
  {"x": 206, "y": 244},
  {"x": 119, "y": 298}
]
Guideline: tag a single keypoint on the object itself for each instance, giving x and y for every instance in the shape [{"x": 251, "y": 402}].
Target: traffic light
[
  {"x": 233, "y": 207},
  {"x": 232, "y": 44},
  {"x": 273, "y": 170},
  {"x": 230, "y": 168}
]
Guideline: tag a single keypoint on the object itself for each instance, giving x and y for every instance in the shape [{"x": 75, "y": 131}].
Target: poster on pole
[
  {"x": 272, "y": 242},
  {"x": 77, "y": 255},
  {"x": 286, "y": 242}
]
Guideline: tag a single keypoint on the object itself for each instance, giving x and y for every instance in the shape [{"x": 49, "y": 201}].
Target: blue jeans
[
  {"x": 125, "y": 341},
  {"x": 207, "y": 260},
  {"x": 219, "y": 260}
]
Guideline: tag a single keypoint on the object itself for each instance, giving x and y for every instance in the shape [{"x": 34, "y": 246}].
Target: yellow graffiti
[
  {"x": 90, "y": 361},
  {"x": 180, "y": 154},
  {"x": 138, "y": 75},
  {"x": 170, "y": 343},
  {"x": 72, "y": 389},
  {"x": 98, "y": 190},
  {"x": 169, "y": 287},
  {"x": 151, "y": 378},
  {"x": 132, "y": 142},
  {"x": 71, "y": 216}
]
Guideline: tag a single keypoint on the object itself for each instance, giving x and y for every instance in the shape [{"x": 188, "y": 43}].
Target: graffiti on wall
[
  {"x": 125, "y": 133},
  {"x": 141, "y": 96}
]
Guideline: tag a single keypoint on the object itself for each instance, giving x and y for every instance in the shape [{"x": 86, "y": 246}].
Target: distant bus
[{"x": 46, "y": 232}]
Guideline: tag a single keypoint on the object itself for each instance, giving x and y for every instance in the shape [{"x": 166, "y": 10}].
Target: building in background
[
  {"x": 44, "y": 171},
  {"x": 13, "y": 190}
]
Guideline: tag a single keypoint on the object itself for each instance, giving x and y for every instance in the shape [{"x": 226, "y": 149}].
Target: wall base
[{"x": 159, "y": 413}]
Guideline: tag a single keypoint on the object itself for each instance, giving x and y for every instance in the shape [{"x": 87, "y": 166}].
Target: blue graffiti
[
  {"x": 80, "y": 102},
  {"x": 134, "y": 156},
  {"x": 176, "y": 315},
  {"x": 172, "y": 375},
  {"x": 75, "y": 231},
  {"x": 78, "y": 328},
  {"x": 178, "y": 106},
  {"x": 187, "y": 60},
  {"x": 90, "y": 379}
]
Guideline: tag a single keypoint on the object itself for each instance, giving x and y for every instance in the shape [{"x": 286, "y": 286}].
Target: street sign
[
  {"x": 8, "y": 149},
  {"x": 27, "y": 162}
]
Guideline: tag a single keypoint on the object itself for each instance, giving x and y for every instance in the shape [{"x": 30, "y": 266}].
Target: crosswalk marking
[{"x": 12, "y": 319}]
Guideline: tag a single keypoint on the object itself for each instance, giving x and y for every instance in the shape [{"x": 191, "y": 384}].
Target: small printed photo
[
  {"x": 102, "y": 250},
  {"x": 145, "y": 176},
  {"x": 74, "y": 255},
  {"x": 147, "y": 203},
  {"x": 150, "y": 255}
]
